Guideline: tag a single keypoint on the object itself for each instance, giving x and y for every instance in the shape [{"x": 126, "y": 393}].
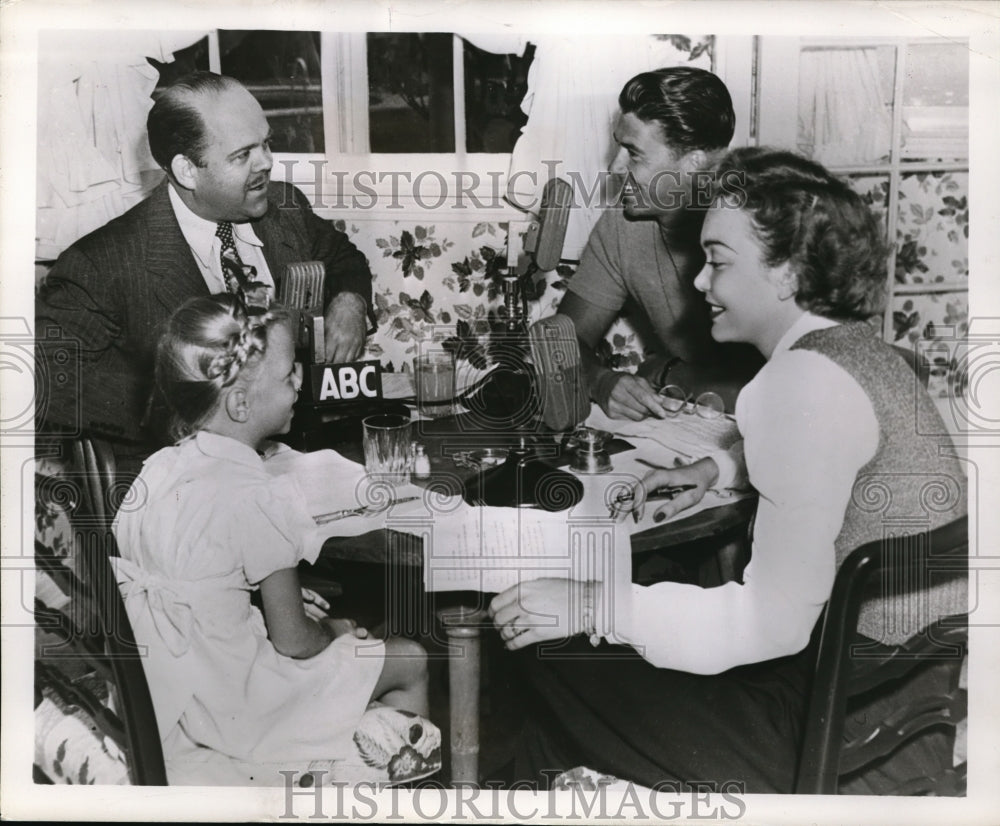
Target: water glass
[
  {"x": 387, "y": 448},
  {"x": 434, "y": 376}
]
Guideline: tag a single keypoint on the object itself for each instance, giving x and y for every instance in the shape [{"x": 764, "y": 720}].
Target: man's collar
[{"x": 200, "y": 234}]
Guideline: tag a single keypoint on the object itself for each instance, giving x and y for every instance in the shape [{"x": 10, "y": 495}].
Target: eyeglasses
[{"x": 676, "y": 400}]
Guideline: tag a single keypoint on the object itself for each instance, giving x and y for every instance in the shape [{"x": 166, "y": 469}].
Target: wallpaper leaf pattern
[
  {"x": 438, "y": 281},
  {"x": 932, "y": 232}
]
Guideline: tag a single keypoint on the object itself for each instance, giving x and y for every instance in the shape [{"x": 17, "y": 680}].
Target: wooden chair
[
  {"x": 846, "y": 670},
  {"x": 87, "y": 660}
]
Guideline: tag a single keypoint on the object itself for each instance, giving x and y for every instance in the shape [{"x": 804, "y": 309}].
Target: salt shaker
[{"x": 421, "y": 462}]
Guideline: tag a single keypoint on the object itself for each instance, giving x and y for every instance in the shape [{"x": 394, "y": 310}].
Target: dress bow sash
[{"x": 158, "y": 601}]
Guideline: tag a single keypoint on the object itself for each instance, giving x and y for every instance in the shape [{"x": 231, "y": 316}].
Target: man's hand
[
  {"x": 702, "y": 474},
  {"x": 345, "y": 324},
  {"x": 633, "y": 398},
  {"x": 541, "y": 609}
]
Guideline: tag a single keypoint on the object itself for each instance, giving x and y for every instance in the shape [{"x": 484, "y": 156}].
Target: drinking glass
[
  {"x": 387, "y": 448},
  {"x": 434, "y": 376}
]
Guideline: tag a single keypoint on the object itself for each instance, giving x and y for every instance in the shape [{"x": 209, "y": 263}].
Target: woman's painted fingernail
[{"x": 659, "y": 517}]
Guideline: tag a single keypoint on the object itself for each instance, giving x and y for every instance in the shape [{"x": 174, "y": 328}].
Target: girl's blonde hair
[{"x": 207, "y": 344}]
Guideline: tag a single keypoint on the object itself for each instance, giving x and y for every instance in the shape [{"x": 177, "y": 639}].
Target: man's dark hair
[
  {"x": 692, "y": 106},
  {"x": 174, "y": 126}
]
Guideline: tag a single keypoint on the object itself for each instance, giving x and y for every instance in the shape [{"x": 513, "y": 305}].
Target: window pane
[
  {"x": 845, "y": 104},
  {"x": 936, "y": 101},
  {"x": 282, "y": 70},
  {"x": 495, "y": 84},
  {"x": 411, "y": 94}
]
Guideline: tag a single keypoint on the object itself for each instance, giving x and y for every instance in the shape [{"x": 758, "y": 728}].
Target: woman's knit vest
[{"x": 913, "y": 483}]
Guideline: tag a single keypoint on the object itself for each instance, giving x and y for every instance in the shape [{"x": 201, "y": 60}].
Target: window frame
[
  {"x": 777, "y": 116},
  {"x": 343, "y": 177}
]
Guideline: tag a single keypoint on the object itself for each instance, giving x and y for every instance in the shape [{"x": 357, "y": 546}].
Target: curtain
[
  {"x": 843, "y": 117},
  {"x": 93, "y": 159}
]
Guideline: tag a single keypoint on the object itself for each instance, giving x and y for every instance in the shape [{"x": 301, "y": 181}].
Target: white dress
[{"x": 203, "y": 525}]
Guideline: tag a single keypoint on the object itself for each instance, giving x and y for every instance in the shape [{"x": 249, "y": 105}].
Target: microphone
[
  {"x": 544, "y": 239},
  {"x": 302, "y": 290},
  {"x": 325, "y": 384},
  {"x": 556, "y": 354}
]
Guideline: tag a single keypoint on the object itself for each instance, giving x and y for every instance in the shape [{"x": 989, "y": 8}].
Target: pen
[
  {"x": 668, "y": 492},
  {"x": 364, "y": 510}
]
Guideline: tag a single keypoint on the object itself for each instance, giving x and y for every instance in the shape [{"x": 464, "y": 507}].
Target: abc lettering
[{"x": 347, "y": 383}]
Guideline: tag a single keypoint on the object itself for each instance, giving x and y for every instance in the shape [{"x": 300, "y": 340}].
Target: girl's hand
[
  {"x": 541, "y": 609},
  {"x": 341, "y": 626},
  {"x": 316, "y": 607},
  {"x": 702, "y": 474}
]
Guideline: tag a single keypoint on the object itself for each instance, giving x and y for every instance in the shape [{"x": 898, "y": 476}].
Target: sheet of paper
[
  {"x": 329, "y": 482},
  {"x": 491, "y": 549},
  {"x": 690, "y": 436}
]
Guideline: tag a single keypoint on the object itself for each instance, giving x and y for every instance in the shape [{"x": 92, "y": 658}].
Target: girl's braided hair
[{"x": 208, "y": 343}]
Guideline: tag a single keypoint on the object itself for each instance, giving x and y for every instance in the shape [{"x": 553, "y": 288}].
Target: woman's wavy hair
[
  {"x": 208, "y": 343},
  {"x": 804, "y": 215}
]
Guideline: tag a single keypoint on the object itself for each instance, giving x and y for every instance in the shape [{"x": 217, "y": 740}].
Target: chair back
[
  {"x": 92, "y": 464},
  {"x": 88, "y": 642},
  {"x": 846, "y": 667}
]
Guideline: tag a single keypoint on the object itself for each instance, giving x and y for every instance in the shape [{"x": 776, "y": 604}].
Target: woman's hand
[
  {"x": 316, "y": 607},
  {"x": 542, "y": 609},
  {"x": 339, "y": 627},
  {"x": 702, "y": 474}
]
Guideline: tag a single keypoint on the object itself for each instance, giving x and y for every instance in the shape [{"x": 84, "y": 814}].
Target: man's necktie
[{"x": 240, "y": 278}]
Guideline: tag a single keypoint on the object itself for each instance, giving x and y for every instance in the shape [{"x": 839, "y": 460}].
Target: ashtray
[{"x": 481, "y": 459}]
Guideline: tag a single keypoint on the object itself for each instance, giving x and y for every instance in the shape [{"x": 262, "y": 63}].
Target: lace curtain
[
  {"x": 93, "y": 159},
  {"x": 843, "y": 114}
]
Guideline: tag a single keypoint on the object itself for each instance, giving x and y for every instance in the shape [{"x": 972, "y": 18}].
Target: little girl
[{"x": 207, "y": 525}]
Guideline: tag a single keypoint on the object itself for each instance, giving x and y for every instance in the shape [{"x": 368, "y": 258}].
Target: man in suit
[{"x": 110, "y": 292}]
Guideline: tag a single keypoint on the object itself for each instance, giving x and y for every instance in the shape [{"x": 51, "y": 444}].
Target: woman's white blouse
[{"x": 808, "y": 428}]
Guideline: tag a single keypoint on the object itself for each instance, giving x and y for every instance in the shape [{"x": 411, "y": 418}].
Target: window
[
  {"x": 412, "y": 105},
  {"x": 892, "y": 116},
  {"x": 282, "y": 70},
  {"x": 405, "y": 116}
]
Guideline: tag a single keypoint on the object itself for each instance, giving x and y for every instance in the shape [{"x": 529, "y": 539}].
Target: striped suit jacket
[{"x": 100, "y": 310}]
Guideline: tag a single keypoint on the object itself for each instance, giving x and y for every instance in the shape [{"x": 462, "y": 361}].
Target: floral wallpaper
[
  {"x": 436, "y": 279},
  {"x": 927, "y": 318},
  {"x": 932, "y": 248},
  {"x": 932, "y": 231}
]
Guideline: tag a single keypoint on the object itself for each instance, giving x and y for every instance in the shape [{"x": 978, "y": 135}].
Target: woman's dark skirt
[{"x": 610, "y": 710}]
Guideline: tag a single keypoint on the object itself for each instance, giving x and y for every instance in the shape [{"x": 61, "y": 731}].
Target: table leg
[{"x": 462, "y": 625}]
